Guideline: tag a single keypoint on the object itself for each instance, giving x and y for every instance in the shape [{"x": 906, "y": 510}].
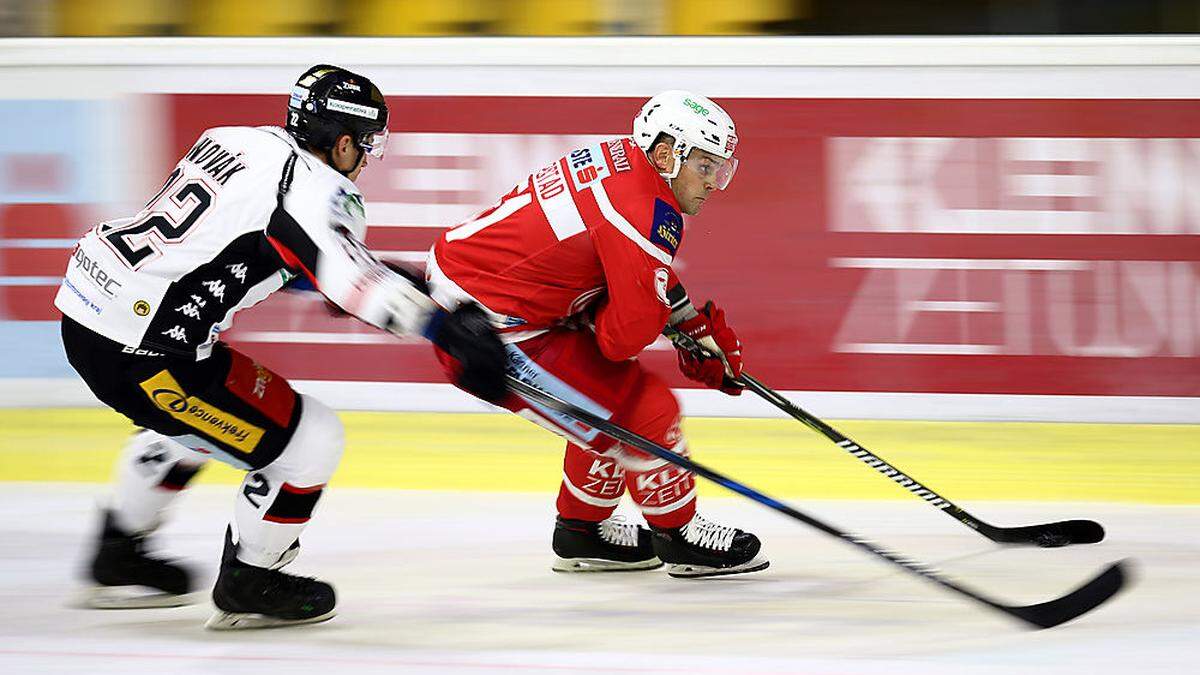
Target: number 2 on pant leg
[{"x": 257, "y": 485}]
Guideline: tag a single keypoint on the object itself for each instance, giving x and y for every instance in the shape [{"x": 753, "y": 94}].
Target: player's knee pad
[
  {"x": 652, "y": 411},
  {"x": 664, "y": 492},
  {"x": 277, "y": 501},
  {"x": 315, "y": 449}
]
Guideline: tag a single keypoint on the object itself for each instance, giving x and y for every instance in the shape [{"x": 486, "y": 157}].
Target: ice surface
[{"x": 444, "y": 582}]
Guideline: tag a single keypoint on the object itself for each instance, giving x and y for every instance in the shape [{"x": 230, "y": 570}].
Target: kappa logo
[{"x": 167, "y": 395}]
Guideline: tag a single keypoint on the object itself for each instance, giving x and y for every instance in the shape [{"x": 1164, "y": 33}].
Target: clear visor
[
  {"x": 374, "y": 144},
  {"x": 711, "y": 167}
]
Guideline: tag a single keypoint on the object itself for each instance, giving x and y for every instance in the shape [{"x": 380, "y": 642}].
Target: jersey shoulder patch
[
  {"x": 666, "y": 229},
  {"x": 587, "y": 165}
]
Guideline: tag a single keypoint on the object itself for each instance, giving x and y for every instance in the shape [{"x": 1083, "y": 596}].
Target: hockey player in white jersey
[{"x": 144, "y": 300}]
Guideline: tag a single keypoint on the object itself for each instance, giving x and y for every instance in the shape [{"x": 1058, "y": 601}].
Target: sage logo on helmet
[
  {"x": 329, "y": 101},
  {"x": 695, "y": 122}
]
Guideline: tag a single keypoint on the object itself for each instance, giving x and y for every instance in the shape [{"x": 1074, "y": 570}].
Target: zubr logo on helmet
[
  {"x": 167, "y": 395},
  {"x": 328, "y": 102}
]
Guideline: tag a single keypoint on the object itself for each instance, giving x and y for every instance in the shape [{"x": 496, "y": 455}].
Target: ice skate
[
  {"x": 258, "y": 597},
  {"x": 608, "y": 546},
  {"x": 124, "y": 576},
  {"x": 702, "y": 548}
]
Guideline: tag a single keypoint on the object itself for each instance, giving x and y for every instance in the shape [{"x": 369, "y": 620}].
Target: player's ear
[{"x": 660, "y": 157}]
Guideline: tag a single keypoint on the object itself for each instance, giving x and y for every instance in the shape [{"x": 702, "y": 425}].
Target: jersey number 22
[{"x": 166, "y": 219}]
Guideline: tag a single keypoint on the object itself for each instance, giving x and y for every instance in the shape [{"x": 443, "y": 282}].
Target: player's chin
[{"x": 695, "y": 207}]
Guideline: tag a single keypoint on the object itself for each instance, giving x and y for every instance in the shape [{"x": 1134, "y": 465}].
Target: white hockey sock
[{"x": 151, "y": 472}]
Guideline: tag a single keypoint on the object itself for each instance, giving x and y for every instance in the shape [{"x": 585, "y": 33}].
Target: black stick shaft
[
  {"x": 866, "y": 456},
  {"x": 1072, "y": 531},
  {"x": 631, "y": 439}
]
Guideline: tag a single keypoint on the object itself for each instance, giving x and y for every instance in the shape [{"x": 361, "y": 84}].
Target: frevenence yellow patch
[{"x": 226, "y": 427}]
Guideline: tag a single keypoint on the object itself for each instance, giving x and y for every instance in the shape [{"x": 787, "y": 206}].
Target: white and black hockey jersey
[{"x": 244, "y": 211}]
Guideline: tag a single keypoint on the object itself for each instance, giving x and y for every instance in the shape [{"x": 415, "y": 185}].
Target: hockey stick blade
[
  {"x": 1079, "y": 601},
  {"x": 1044, "y": 615},
  {"x": 1047, "y": 535}
]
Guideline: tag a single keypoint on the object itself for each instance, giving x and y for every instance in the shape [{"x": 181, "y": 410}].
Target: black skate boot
[
  {"x": 258, "y": 597},
  {"x": 125, "y": 577},
  {"x": 704, "y": 549},
  {"x": 607, "y": 546}
]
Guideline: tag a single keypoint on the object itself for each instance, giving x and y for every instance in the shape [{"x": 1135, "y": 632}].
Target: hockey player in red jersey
[{"x": 573, "y": 267}]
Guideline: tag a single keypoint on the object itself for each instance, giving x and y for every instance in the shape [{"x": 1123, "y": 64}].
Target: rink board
[
  {"x": 912, "y": 216},
  {"x": 499, "y": 453}
]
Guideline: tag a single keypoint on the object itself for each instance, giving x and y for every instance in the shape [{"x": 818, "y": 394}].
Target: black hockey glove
[{"x": 466, "y": 336}]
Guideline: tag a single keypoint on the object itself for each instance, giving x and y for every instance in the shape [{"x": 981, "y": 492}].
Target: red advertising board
[{"x": 959, "y": 246}]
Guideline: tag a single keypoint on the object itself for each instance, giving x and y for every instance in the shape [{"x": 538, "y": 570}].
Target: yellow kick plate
[{"x": 1152, "y": 463}]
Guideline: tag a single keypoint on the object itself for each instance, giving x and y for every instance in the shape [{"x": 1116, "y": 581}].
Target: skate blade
[
  {"x": 237, "y": 621},
  {"x": 699, "y": 571},
  {"x": 132, "y": 597},
  {"x": 570, "y": 565}
]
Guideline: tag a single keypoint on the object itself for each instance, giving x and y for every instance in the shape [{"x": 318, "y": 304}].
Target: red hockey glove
[{"x": 709, "y": 329}]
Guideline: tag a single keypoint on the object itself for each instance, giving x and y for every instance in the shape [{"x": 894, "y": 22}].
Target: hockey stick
[
  {"x": 1042, "y": 615},
  {"x": 1061, "y": 533}
]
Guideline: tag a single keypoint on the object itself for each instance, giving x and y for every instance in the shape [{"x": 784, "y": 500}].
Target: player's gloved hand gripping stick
[
  {"x": 478, "y": 355},
  {"x": 707, "y": 327},
  {"x": 1060, "y": 533}
]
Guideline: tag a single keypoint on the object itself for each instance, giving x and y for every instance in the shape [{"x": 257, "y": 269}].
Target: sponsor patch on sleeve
[
  {"x": 666, "y": 230},
  {"x": 587, "y": 166}
]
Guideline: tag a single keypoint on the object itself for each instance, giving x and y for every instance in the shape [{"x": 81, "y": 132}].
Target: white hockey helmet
[{"x": 694, "y": 122}]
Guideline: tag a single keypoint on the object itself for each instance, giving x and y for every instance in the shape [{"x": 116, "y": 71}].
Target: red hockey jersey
[{"x": 598, "y": 228}]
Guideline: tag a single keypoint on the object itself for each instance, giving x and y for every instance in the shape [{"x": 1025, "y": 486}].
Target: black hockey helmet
[{"x": 329, "y": 101}]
